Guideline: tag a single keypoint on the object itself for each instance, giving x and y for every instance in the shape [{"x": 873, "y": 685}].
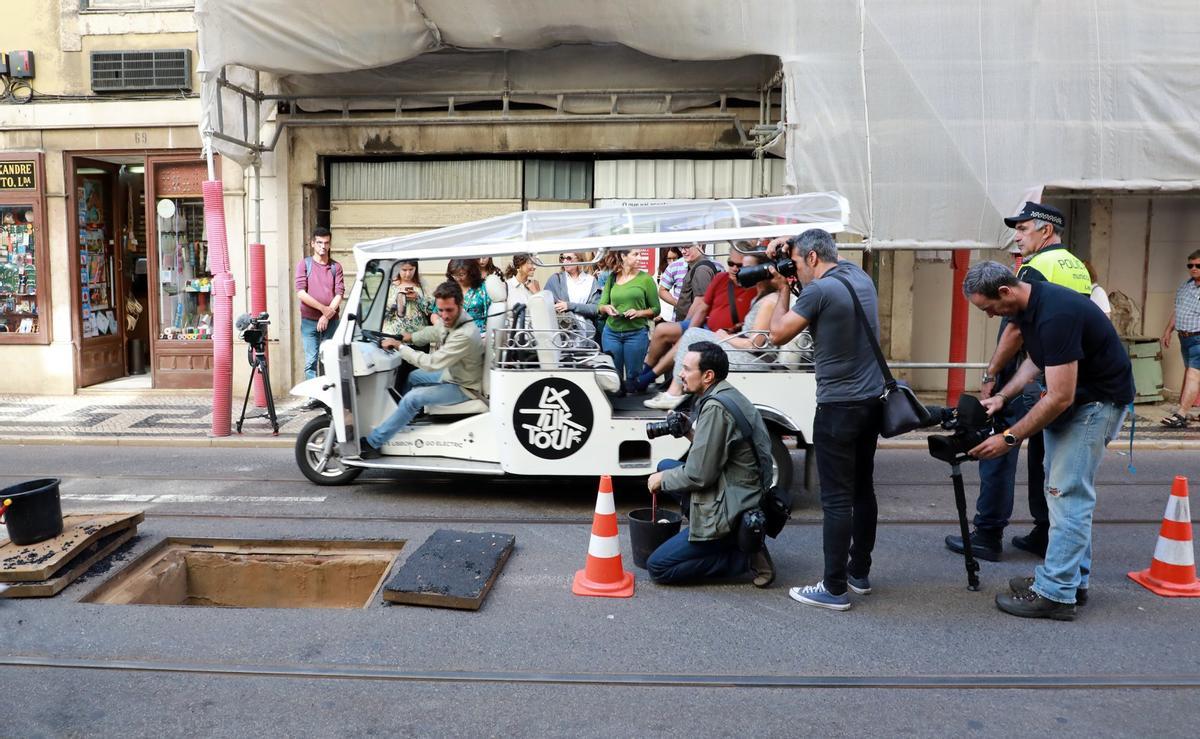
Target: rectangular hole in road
[{"x": 250, "y": 573}]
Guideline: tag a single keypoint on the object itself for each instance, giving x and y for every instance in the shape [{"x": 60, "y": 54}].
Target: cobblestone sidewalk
[{"x": 133, "y": 415}]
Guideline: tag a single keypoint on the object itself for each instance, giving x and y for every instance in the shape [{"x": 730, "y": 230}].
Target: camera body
[
  {"x": 970, "y": 425},
  {"x": 783, "y": 264},
  {"x": 254, "y": 329},
  {"x": 676, "y": 424}
]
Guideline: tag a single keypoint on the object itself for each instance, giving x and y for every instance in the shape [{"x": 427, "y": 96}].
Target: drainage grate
[{"x": 249, "y": 573}]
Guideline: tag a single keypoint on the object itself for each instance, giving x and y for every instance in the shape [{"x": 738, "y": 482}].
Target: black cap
[{"x": 1032, "y": 211}]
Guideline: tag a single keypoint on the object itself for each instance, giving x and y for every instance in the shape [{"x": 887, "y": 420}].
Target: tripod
[
  {"x": 256, "y": 354},
  {"x": 960, "y": 502}
]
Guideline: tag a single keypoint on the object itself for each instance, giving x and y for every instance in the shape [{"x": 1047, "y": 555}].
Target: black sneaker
[
  {"x": 1018, "y": 584},
  {"x": 762, "y": 567},
  {"x": 1034, "y": 542},
  {"x": 366, "y": 451},
  {"x": 983, "y": 545},
  {"x": 1028, "y": 604}
]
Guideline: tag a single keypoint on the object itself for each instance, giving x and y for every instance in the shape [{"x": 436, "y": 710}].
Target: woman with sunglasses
[{"x": 574, "y": 290}]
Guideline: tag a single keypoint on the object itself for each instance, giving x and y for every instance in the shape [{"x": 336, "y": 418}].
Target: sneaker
[
  {"x": 984, "y": 545},
  {"x": 762, "y": 567},
  {"x": 1019, "y": 584},
  {"x": 1034, "y": 542},
  {"x": 367, "y": 451},
  {"x": 858, "y": 585},
  {"x": 1028, "y": 604},
  {"x": 817, "y": 595},
  {"x": 664, "y": 402}
]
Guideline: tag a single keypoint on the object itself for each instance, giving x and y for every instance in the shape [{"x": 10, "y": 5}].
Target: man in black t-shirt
[{"x": 1089, "y": 383}]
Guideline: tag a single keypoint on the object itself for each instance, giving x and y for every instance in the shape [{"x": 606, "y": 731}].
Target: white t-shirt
[
  {"x": 1100, "y": 298},
  {"x": 579, "y": 288},
  {"x": 518, "y": 294}
]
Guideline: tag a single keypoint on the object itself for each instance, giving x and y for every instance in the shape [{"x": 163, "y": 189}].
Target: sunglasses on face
[{"x": 1193, "y": 265}]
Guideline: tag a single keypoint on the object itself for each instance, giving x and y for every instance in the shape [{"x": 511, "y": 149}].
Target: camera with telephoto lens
[
  {"x": 254, "y": 329},
  {"x": 676, "y": 424},
  {"x": 970, "y": 425},
  {"x": 783, "y": 264}
]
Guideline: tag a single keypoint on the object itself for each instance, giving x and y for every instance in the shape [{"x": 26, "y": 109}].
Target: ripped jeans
[{"x": 1073, "y": 454}]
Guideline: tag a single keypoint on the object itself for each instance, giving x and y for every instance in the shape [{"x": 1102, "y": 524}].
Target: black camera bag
[{"x": 776, "y": 504}]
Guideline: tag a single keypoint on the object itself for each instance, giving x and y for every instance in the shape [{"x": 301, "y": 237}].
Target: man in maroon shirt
[
  {"x": 320, "y": 287},
  {"x": 711, "y": 311}
]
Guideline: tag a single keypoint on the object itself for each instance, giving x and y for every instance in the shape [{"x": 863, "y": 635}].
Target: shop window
[
  {"x": 185, "y": 283},
  {"x": 19, "y": 242},
  {"x": 24, "y": 282}
]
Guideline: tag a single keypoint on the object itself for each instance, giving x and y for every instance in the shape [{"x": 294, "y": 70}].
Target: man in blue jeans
[
  {"x": 320, "y": 287},
  {"x": 1089, "y": 383},
  {"x": 441, "y": 376}
]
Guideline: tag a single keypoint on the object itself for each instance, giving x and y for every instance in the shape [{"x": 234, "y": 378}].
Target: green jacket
[
  {"x": 459, "y": 352},
  {"x": 720, "y": 471}
]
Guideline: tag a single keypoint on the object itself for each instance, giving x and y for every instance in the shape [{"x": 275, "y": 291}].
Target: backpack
[{"x": 308, "y": 263}]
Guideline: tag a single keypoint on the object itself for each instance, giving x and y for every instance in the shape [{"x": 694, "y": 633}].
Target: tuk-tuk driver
[{"x": 442, "y": 376}]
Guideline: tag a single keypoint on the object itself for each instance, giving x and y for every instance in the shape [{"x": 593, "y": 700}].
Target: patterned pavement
[{"x": 146, "y": 415}]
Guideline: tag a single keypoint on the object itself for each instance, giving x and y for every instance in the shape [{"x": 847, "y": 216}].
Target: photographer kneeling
[{"x": 722, "y": 475}]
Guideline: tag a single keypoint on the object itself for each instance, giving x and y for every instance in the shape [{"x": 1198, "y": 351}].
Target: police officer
[
  {"x": 722, "y": 475},
  {"x": 1038, "y": 235}
]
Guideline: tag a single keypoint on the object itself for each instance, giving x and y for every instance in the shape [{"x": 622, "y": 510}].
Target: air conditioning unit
[{"x": 141, "y": 71}]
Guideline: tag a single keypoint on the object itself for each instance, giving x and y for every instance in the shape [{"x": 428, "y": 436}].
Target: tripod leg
[
  {"x": 246, "y": 401},
  {"x": 266, "y": 381},
  {"x": 960, "y": 502}
]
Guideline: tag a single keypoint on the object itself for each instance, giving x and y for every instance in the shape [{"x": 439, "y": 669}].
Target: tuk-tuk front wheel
[
  {"x": 318, "y": 467},
  {"x": 781, "y": 461}
]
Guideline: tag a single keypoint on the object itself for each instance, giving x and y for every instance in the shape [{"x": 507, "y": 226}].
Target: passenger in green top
[{"x": 630, "y": 300}]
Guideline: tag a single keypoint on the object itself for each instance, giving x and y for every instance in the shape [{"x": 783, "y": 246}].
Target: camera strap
[
  {"x": 764, "y": 461},
  {"x": 888, "y": 381},
  {"x": 733, "y": 311}
]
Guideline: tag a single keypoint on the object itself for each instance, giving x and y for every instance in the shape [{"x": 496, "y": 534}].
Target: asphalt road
[{"x": 920, "y": 656}]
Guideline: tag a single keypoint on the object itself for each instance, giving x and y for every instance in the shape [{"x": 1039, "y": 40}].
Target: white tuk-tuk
[{"x": 548, "y": 405}]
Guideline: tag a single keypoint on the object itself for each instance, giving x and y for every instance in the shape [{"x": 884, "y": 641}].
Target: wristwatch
[
  {"x": 1010, "y": 438},
  {"x": 987, "y": 378}
]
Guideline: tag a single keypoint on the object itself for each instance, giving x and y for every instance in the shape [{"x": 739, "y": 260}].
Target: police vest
[{"x": 1061, "y": 267}]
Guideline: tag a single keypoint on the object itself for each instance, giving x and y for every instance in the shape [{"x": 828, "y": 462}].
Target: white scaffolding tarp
[{"x": 933, "y": 117}]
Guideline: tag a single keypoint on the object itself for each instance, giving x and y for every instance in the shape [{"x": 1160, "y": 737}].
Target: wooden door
[{"x": 97, "y": 272}]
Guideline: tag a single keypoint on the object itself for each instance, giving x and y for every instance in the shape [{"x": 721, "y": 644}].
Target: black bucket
[
  {"x": 647, "y": 533},
  {"x": 35, "y": 514}
]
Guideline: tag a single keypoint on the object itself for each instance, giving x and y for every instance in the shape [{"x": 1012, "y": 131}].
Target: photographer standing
[
  {"x": 1089, "y": 382},
  {"x": 849, "y": 411},
  {"x": 721, "y": 473}
]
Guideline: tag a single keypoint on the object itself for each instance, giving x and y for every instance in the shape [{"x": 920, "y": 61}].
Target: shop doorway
[{"x": 142, "y": 315}]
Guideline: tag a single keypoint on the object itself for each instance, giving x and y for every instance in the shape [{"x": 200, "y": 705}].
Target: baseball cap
[{"x": 1031, "y": 211}]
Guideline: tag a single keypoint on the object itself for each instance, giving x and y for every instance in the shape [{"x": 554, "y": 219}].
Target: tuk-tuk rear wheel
[
  {"x": 781, "y": 459},
  {"x": 310, "y": 452}
]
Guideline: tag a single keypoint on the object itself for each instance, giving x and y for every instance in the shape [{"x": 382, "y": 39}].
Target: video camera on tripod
[
  {"x": 254, "y": 330},
  {"x": 970, "y": 425}
]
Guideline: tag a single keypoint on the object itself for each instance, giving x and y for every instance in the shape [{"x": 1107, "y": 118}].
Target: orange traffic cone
[
  {"x": 603, "y": 574},
  {"x": 1172, "y": 572}
]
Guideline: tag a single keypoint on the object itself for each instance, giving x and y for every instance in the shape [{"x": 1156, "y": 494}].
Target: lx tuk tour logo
[{"x": 552, "y": 419}]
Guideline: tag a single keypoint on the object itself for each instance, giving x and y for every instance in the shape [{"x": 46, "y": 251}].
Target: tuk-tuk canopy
[
  {"x": 936, "y": 119},
  {"x": 639, "y": 227}
]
